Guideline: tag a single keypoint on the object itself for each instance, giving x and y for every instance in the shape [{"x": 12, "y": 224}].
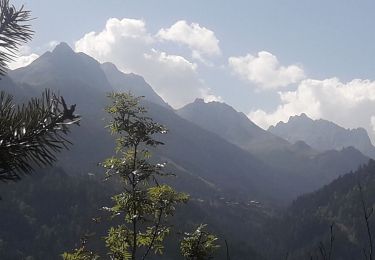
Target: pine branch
[
  {"x": 32, "y": 134},
  {"x": 14, "y": 31}
]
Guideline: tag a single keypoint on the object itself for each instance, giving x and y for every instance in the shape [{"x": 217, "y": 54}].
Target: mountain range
[
  {"x": 211, "y": 143},
  {"x": 323, "y": 135},
  {"x": 307, "y": 167}
]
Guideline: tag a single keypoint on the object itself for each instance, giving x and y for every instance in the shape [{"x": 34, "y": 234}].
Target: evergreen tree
[
  {"x": 31, "y": 134},
  {"x": 14, "y": 31}
]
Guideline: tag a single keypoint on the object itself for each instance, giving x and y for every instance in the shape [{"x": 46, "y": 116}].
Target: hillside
[{"x": 307, "y": 221}]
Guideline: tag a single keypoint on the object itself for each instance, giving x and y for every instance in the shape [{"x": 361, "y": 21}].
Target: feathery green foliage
[
  {"x": 144, "y": 205},
  {"x": 80, "y": 254},
  {"x": 199, "y": 245}
]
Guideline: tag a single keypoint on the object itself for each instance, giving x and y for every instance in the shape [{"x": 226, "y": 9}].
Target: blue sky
[{"x": 320, "y": 48}]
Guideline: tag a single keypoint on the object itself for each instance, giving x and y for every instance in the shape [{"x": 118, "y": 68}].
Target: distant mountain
[
  {"x": 208, "y": 164},
  {"x": 20, "y": 92},
  {"x": 213, "y": 147},
  {"x": 62, "y": 66},
  {"x": 77, "y": 76},
  {"x": 80, "y": 79},
  {"x": 307, "y": 221},
  {"x": 307, "y": 168},
  {"x": 323, "y": 135},
  {"x": 233, "y": 126}
]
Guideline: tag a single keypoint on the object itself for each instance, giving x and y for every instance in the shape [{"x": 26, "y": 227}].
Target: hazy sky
[{"x": 268, "y": 59}]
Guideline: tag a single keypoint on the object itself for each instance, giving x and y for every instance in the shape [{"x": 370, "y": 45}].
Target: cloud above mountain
[
  {"x": 129, "y": 45},
  {"x": 178, "y": 79},
  {"x": 350, "y": 104},
  {"x": 200, "y": 40},
  {"x": 23, "y": 58},
  {"x": 23, "y": 61},
  {"x": 264, "y": 70}
]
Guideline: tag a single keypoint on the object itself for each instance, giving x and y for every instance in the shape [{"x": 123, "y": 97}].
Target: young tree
[{"x": 144, "y": 205}]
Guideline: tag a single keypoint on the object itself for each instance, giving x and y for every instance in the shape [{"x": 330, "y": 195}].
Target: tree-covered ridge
[
  {"x": 48, "y": 213},
  {"x": 307, "y": 221}
]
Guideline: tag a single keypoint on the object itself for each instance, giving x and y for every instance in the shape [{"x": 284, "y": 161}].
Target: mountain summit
[
  {"x": 63, "y": 69},
  {"x": 63, "y": 48},
  {"x": 323, "y": 135},
  {"x": 233, "y": 126}
]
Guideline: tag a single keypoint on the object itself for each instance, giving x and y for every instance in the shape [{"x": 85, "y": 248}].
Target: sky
[{"x": 268, "y": 59}]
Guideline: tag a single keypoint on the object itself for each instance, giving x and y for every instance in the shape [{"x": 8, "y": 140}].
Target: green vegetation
[
  {"x": 144, "y": 204},
  {"x": 199, "y": 244},
  {"x": 346, "y": 204}
]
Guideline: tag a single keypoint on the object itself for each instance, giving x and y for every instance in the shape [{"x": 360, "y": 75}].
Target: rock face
[{"x": 323, "y": 135}]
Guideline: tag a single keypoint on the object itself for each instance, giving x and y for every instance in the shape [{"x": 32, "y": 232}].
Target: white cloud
[
  {"x": 265, "y": 71},
  {"x": 372, "y": 122},
  {"x": 52, "y": 44},
  {"x": 350, "y": 104},
  {"x": 23, "y": 61},
  {"x": 174, "y": 77},
  {"x": 208, "y": 96},
  {"x": 23, "y": 58},
  {"x": 129, "y": 45},
  {"x": 128, "y": 37},
  {"x": 200, "y": 40}
]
